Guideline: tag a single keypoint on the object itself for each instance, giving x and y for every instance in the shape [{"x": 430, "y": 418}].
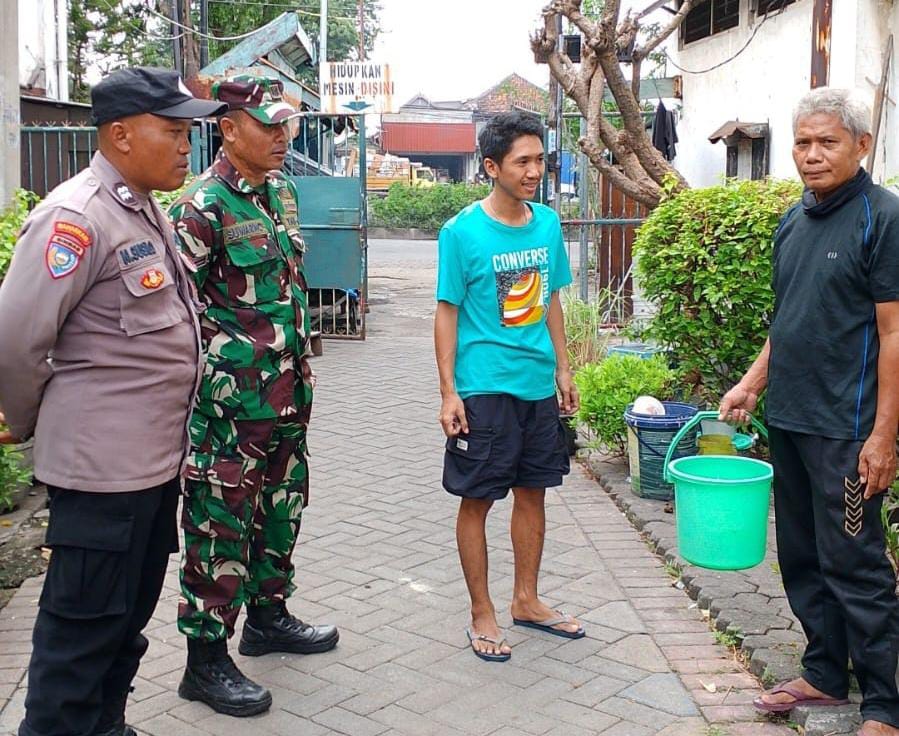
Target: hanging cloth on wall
[{"x": 664, "y": 132}]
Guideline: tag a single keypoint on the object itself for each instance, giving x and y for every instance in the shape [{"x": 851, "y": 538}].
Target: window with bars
[
  {"x": 772, "y": 6},
  {"x": 710, "y": 17}
]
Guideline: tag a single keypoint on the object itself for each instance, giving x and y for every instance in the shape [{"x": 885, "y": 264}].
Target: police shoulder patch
[{"x": 65, "y": 248}]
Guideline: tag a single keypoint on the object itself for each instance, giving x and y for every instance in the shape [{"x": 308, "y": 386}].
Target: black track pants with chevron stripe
[{"x": 835, "y": 571}]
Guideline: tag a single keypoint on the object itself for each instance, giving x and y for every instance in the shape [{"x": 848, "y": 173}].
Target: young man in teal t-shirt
[{"x": 499, "y": 335}]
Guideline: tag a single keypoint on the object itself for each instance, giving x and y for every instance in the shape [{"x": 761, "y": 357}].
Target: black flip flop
[
  {"x": 472, "y": 638},
  {"x": 549, "y": 626}
]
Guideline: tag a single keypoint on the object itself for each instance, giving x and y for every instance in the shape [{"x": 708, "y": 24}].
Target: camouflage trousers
[{"x": 247, "y": 484}]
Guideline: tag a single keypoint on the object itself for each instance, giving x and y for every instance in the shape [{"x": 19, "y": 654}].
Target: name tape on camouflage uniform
[
  {"x": 244, "y": 230},
  {"x": 65, "y": 247}
]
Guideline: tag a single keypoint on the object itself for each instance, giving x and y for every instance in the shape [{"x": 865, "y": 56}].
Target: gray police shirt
[{"x": 99, "y": 338}]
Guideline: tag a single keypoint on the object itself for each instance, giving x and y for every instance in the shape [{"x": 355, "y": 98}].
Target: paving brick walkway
[{"x": 377, "y": 556}]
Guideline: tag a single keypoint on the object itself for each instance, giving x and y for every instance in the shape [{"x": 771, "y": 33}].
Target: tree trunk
[
  {"x": 627, "y": 157},
  {"x": 190, "y": 42}
]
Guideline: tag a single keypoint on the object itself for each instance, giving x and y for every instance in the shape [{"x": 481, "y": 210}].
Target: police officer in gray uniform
[{"x": 99, "y": 344}]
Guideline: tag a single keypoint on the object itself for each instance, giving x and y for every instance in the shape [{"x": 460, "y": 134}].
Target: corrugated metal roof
[{"x": 428, "y": 137}]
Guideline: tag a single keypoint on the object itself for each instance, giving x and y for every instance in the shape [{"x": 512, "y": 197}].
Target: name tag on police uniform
[{"x": 134, "y": 253}]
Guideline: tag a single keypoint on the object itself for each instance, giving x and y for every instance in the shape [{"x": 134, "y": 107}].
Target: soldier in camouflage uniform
[{"x": 247, "y": 475}]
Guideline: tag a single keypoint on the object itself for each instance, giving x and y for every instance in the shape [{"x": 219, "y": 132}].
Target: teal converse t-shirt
[{"x": 501, "y": 279}]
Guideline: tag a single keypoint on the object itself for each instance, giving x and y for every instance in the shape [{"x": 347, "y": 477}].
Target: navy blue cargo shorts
[{"x": 511, "y": 443}]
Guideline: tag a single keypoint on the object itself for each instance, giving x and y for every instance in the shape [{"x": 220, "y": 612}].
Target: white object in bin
[{"x": 648, "y": 405}]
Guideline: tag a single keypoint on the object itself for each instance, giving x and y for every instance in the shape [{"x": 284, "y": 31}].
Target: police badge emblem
[{"x": 153, "y": 278}]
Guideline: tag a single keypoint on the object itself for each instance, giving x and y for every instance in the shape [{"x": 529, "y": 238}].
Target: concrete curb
[
  {"x": 749, "y": 604},
  {"x": 398, "y": 233}
]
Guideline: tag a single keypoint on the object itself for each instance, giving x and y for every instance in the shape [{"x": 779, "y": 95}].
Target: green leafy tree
[
  {"x": 236, "y": 18},
  {"x": 111, "y": 35},
  {"x": 426, "y": 207},
  {"x": 11, "y": 221}
]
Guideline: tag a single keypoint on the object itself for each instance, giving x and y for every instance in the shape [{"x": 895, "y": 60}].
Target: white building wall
[
  {"x": 43, "y": 49},
  {"x": 886, "y": 164},
  {"x": 759, "y": 86}
]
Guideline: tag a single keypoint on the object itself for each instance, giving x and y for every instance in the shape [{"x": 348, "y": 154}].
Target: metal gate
[
  {"x": 599, "y": 224},
  {"x": 600, "y": 244},
  {"x": 333, "y": 221},
  {"x": 332, "y": 202},
  {"x": 52, "y": 154}
]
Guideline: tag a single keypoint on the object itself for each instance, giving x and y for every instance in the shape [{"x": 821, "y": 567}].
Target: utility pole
[
  {"x": 555, "y": 128},
  {"x": 361, "y": 30},
  {"x": 323, "y": 34},
  {"x": 10, "y": 132},
  {"x": 204, "y": 30}
]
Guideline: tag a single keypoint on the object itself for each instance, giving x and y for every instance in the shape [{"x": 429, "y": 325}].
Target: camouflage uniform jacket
[{"x": 246, "y": 246}]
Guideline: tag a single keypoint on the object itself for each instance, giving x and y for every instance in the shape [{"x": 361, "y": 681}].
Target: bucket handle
[{"x": 694, "y": 420}]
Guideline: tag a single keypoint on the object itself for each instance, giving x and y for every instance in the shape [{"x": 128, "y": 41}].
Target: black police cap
[{"x": 142, "y": 89}]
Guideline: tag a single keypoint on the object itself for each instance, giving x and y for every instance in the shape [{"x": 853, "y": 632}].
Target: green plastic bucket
[
  {"x": 721, "y": 506},
  {"x": 743, "y": 442}
]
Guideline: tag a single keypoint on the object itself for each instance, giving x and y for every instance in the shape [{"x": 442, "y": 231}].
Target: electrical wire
[
  {"x": 188, "y": 29},
  {"x": 135, "y": 24},
  {"x": 288, "y": 6},
  {"x": 768, "y": 14}
]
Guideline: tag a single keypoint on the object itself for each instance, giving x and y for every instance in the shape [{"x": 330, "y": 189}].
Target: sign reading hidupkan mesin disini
[{"x": 354, "y": 85}]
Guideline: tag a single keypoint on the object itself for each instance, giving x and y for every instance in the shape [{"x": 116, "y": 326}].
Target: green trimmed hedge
[
  {"x": 704, "y": 259},
  {"x": 426, "y": 208}
]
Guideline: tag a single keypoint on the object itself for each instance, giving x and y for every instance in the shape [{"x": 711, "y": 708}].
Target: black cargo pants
[
  {"x": 110, "y": 552},
  {"x": 840, "y": 585}
]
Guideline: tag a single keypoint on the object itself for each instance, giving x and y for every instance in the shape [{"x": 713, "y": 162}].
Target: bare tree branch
[
  {"x": 610, "y": 11},
  {"x": 651, "y": 159},
  {"x": 644, "y": 191},
  {"x": 638, "y": 169},
  {"x": 651, "y": 45},
  {"x": 571, "y": 9}
]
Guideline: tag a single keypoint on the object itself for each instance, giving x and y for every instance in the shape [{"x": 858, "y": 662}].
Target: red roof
[{"x": 428, "y": 137}]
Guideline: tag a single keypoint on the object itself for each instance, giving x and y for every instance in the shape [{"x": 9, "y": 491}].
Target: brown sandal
[{"x": 799, "y": 698}]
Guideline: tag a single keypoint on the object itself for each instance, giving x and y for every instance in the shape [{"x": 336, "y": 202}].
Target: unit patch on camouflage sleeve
[
  {"x": 243, "y": 230},
  {"x": 65, "y": 248},
  {"x": 287, "y": 199}
]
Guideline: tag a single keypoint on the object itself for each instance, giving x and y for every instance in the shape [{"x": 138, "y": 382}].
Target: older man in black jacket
[{"x": 831, "y": 367}]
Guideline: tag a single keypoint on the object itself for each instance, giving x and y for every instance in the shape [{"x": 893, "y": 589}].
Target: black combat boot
[
  {"x": 212, "y": 678},
  {"x": 272, "y": 629}
]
